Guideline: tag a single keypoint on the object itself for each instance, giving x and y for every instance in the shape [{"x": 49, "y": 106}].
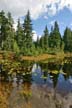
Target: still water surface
[{"x": 45, "y": 84}]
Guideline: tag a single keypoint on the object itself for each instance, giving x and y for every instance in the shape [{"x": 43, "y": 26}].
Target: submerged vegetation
[{"x": 21, "y": 41}]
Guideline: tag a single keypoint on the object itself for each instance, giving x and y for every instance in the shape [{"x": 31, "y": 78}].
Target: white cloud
[
  {"x": 65, "y": 3},
  {"x": 19, "y": 8},
  {"x": 40, "y": 36},
  {"x": 34, "y": 36},
  {"x": 52, "y": 10},
  {"x": 45, "y": 17},
  {"x": 15, "y": 26}
]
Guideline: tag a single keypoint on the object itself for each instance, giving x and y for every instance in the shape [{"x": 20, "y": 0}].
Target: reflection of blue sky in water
[
  {"x": 51, "y": 74},
  {"x": 61, "y": 83},
  {"x": 42, "y": 81}
]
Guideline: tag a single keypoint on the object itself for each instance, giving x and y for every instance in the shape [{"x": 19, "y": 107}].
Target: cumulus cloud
[
  {"x": 65, "y": 3},
  {"x": 19, "y": 8},
  {"x": 34, "y": 36}
]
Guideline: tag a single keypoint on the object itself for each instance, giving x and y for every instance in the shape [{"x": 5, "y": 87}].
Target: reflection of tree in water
[
  {"x": 44, "y": 66},
  {"x": 44, "y": 70},
  {"x": 67, "y": 69},
  {"x": 16, "y": 69},
  {"x": 27, "y": 78},
  {"x": 54, "y": 66},
  {"x": 54, "y": 69},
  {"x": 51, "y": 68},
  {"x": 26, "y": 86},
  {"x": 26, "y": 93},
  {"x": 5, "y": 91},
  {"x": 26, "y": 90},
  {"x": 54, "y": 78},
  {"x": 45, "y": 74}
]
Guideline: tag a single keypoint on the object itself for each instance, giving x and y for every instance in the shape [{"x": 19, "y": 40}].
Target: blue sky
[
  {"x": 43, "y": 12},
  {"x": 63, "y": 17}
]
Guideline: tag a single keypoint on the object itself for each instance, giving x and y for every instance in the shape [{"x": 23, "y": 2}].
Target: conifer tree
[
  {"x": 67, "y": 38},
  {"x": 10, "y": 34},
  {"x": 46, "y": 34},
  {"x": 27, "y": 26},
  {"x": 19, "y": 35},
  {"x": 3, "y": 22},
  {"x": 55, "y": 37}
]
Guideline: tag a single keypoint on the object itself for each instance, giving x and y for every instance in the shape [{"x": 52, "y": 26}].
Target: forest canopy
[{"x": 21, "y": 40}]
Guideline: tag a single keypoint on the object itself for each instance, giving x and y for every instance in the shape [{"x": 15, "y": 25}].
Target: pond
[{"x": 44, "y": 84}]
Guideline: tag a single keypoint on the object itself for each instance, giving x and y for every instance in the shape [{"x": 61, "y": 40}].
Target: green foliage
[
  {"x": 46, "y": 34},
  {"x": 67, "y": 38},
  {"x": 19, "y": 35},
  {"x": 7, "y": 32},
  {"x": 44, "y": 40},
  {"x": 15, "y": 47},
  {"x": 55, "y": 37},
  {"x": 21, "y": 41},
  {"x": 3, "y": 24},
  {"x": 27, "y": 27}
]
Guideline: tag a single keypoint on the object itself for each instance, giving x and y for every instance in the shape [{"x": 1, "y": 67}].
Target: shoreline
[{"x": 11, "y": 55}]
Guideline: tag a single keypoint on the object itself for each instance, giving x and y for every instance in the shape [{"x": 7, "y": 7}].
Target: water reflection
[
  {"x": 5, "y": 92},
  {"x": 22, "y": 87}
]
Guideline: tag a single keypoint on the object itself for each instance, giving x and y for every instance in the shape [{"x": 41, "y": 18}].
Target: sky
[{"x": 43, "y": 12}]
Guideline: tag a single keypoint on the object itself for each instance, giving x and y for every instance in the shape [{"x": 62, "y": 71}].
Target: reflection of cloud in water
[
  {"x": 36, "y": 68},
  {"x": 70, "y": 80}
]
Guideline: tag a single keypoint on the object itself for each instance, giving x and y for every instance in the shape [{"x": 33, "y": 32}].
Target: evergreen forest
[{"x": 21, "y": 41}]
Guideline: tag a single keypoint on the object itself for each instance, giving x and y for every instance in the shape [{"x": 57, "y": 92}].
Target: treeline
[{"x": 21, "y": 40}]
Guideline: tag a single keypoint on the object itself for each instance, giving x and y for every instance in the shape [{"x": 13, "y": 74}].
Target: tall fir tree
[
  {"x": 44, "y": 39},
  {"x": 38, "y": 42},
  {"x": 67, "y": 38},
  {"x": 10, "y": 34},
  {"x": 27, "y": 26},
  {"x": 55, "y": 37},
  {"x": 3, "y": 23},
  {"x": 19, "y": 35},
  {"x": 42, "y": 42},
  {"x": 46, "y": 35}
]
